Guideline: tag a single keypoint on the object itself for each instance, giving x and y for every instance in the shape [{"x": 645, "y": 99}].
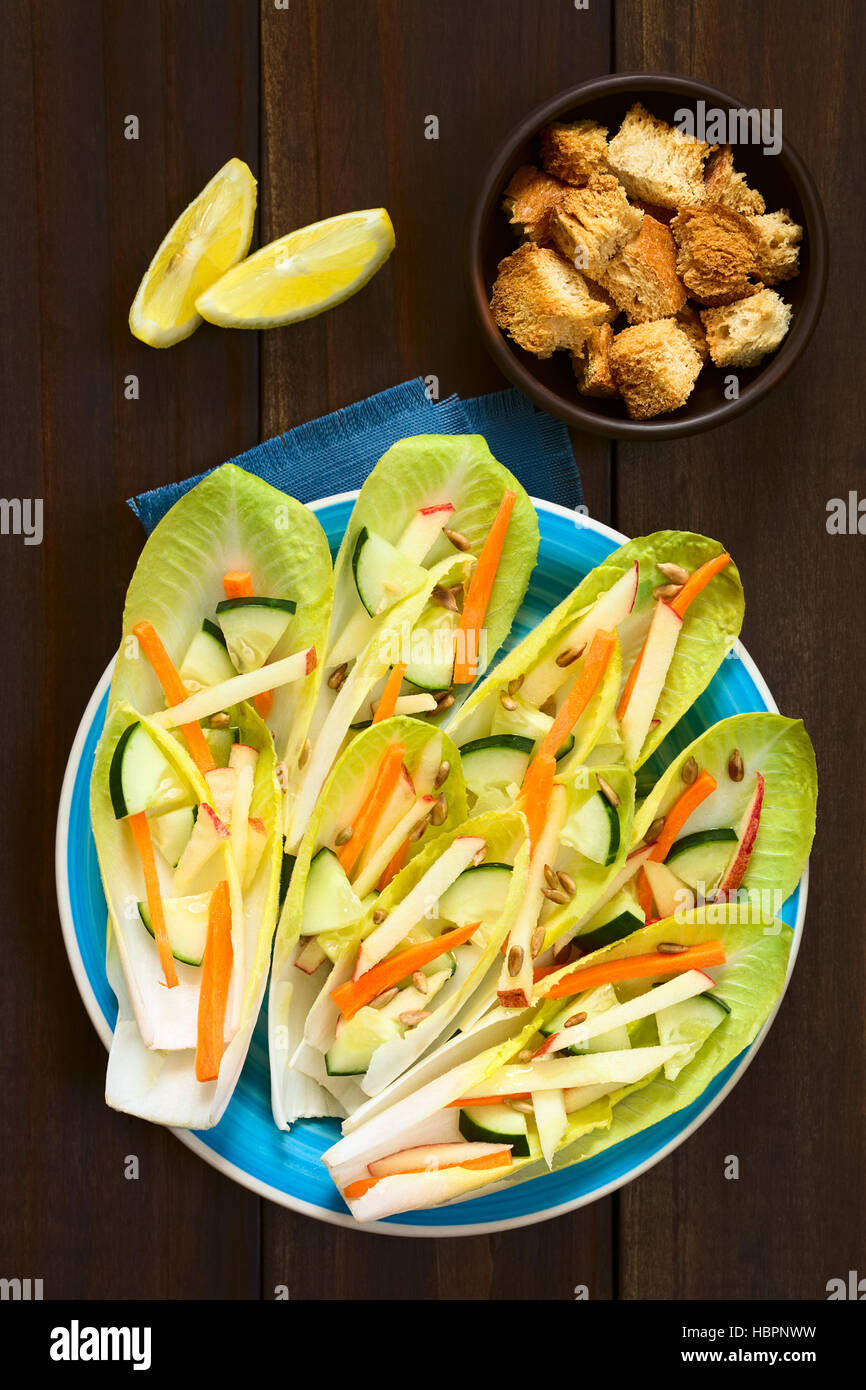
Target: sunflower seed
[
  {"x": 506, "y": 701},
  {"x": 671, "y": 948},
  {"x": 655, "y": 830},
  {"x": 569, "y": 655},
  {"x": 607, "y": 790},
  {"x": 515, "y": 684},
  {"x": 690, "y": 771},
  {"x": 219, "y": 721},
  {"x": 537, "y": 942},
  {"x": 337, "y": 676},
  {"x": 412, "y": 1017},
  {"x": 419, "y": 980},
  {"x": 479, "y": 856},
  {"x": 444, "y": 598},
  {"x": 416, "y": 834},
  {"x": 457, "y": 539},
  {"x": 281, "y": 772},
  {"x": 736, "y": 770},
  {"x": 575, "y": 1019},
  {"x": 445, "y": 703},
  {"x": 515, "y": 961},
  {"x": 665, "y": 591},
  {"x": 675, "y": 574},
  {"x": 549, "y": 707},
  {"x": 555, "y": 895},
  {"x": 567, "y": 883},
  {"x": 344, "y": 836},
  {"x": 442, "y": 775},
  {"x": 551, "y": 876},
  {"x": 439, "y": 814},
  {"x": 523, "y": 1107},
  {"x": 526, "y": 1055},
  {"x": 304, "y": 755},
  {"x": 379, "y": 916},
  {"x": 384, "y": 998}
]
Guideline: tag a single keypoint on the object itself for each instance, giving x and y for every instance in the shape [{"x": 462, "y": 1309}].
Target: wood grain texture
[{"x": 795, "y": 1217}]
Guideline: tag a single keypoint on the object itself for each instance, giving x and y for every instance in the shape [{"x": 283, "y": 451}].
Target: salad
[{"x": 506, "y": 930}]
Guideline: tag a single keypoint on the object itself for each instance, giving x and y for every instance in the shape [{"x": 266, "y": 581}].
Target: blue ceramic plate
[{"x": 286, "y": 1167}]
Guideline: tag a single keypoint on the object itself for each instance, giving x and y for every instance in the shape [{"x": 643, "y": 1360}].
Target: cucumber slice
[
  {"x": 594, "y": 830},
  {"x": 702, "y": 858},
  {"x": 252, "y": 628},
  {"x": 495, "y": 1124},
  {"x": 357, "y": 1039},
  {"x": 527, "y": 722},
  {"x": 220, "y": 742},
  {"x": 496, "y": 761},
  {"x": 689, "y": 1024},
  {"x": 207, "y": 661},
  {"x": 382, "y": 575},
  {"x": 185, "y": 925},
  {"x": 141, "y": 778},
  {"x": 478, "y": 895},
  {"x": 618, "y": 918},
  {"x": 171, "y": 832},
  {"x": 433, "y": 641},
  {"x": 330, "y": 902}
]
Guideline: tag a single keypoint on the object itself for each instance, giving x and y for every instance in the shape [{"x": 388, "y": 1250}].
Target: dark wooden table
[{"x": 327, "y": 102}]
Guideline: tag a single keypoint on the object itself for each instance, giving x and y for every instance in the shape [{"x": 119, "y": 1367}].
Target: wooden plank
[
  {"x": 90, "y": 211},
  {"x": 796, "y": 1122},
  {"x": 346, "y": 89}
]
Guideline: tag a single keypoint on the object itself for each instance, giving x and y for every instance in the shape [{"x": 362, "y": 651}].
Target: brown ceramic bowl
[{"x": 784, "y": 182}]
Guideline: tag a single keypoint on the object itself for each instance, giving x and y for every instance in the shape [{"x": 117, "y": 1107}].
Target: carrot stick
[
  {"x": 580, "y": 694},
  {"x": 698, "y": 581},
  {"x": 354, "y": 994},
  {"x": 175, "y": 691},
  {"x": 362, "y": 1185},
  {"x": 536, "y": 793},
  {"x": 636, "y": 967},
  {"x": 679, "y": 813},
  {"x": 387, "y": 778},
  {"x": 394, "y": 867},
  {"x": 144, "y": 844},
  {"x": 487, "y": 1100},
  {"x": 479, "y": 592},
  {"x": 644, "y": 893},
  {"x": 630, "y": 684},
  {"x": 357, "y": 1189},
  {"x": 388, "y": 701},
  {"x": 216, "y": 973},
  {"x": 239, "y": 584}
]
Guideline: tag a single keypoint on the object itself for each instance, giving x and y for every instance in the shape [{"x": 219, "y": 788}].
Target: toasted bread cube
[
  {"x": 591, "y": 224},
  {"x": 741, "y": 334},
  {"x": 717, "y": 253},
  {"x": 689, "y": 321},
  {"x": 530, "y": 200},
  {"x": 722, "y": 184},
  {"x": 654, "y": 367},
  {"x": 779, "y": 240},
  {"x": 665, "y": 215},
  {"x": 656, "y": 162},
  {"x": 642, "y": 279},
  {"x": 543, "y": 303},
  {"x": 574, "y": 152},
  {"x": 592, "y": 363}
]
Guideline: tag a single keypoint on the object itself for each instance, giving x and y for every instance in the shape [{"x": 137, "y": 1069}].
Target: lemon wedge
[
  {"x": 209, "y": 237},
  {"x": 301, "y": 274}
]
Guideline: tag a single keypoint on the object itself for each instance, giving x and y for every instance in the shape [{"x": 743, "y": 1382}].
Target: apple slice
[
  {"x": 551, "y": 1121},
  {"x": 608, "y": 611},
  {"x": 423, "y": 530},
  {"x": 311, "y": 956},
  {"x": 515, "y": 989},
  {"x": 221, "y": 783},
  {"x": 670, "y": 893},
  {"x": 418, "y": 902},
  {"x": 257, "y": 838},
  {"x": 377, "y": 863},
  {"x": 736, "y": 870},
  {"x": 429, "y": 1158},
  {"x": 208, "y": 834},
  {"x": 674, "y": 991},
  {"x": 655, "y": 660}
]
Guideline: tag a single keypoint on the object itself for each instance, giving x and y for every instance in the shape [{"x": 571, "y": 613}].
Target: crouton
[
  {"x": 689, "y": 320},
  {"x": 722, "y": 184},
  {"x": 654, "y": 367},
  {"x": 741, "y": 334},
  {"x": 642, "y": 279},
  {"x": 576, "y": 152},
  {"x": 665, "y": 215},
  {"x": 657, "y": 162},
  {"x": 543, "y": 303},
  {"x": 717, "y": 253},
  {"x": 778, "y": 246},
  {"x": 592, "y": 363},
  {"x": 589, "y": 225},
  {"x": 530, "y": 199}
]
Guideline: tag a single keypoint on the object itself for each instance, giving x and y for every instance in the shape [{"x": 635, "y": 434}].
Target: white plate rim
[{"x": 297, "y": 1204}]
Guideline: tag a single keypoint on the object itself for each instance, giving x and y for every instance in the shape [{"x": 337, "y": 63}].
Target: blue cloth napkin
[{"x": 335, "y": 453}]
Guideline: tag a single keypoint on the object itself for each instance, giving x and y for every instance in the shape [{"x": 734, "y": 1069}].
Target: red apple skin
[
  {"x": 438, "y": 507},
  {"x": 736, "y": 870},
  {"x": 312, "y": 660},
  {"x": 220, "y": 828}
]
